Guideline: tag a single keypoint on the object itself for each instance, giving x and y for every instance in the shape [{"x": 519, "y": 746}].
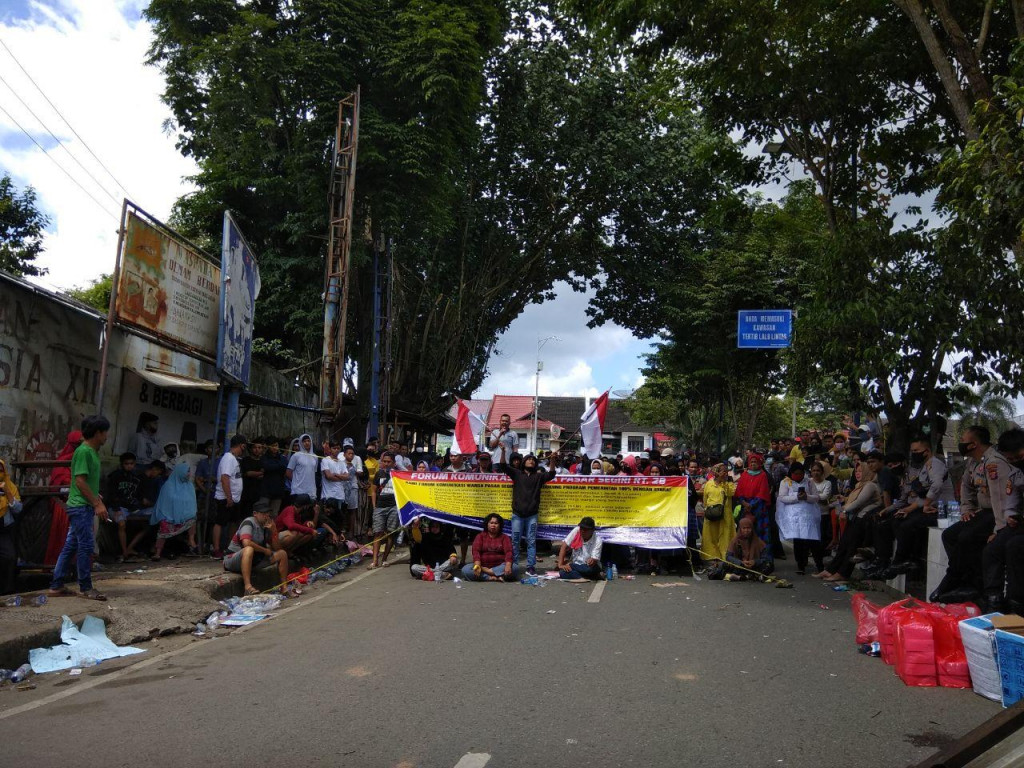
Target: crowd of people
[{"x": 841, "y": 501}]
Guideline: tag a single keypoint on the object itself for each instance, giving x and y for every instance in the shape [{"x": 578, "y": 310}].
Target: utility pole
[
  {"x": 536, "y": 387},
  {"x": 339, "y": 248}
]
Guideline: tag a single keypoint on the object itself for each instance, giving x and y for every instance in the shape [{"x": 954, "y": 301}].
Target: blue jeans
[
  {"x": 79, "y": 538},
  {"x": 499, "y": 570},
  {"x": 581, "y": 572},
  {"x": 531, "y": 539}
]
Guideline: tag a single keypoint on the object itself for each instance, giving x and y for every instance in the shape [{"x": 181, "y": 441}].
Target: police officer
[
  {"x": 931, "y": 486},
  {"x": 981, "y": 492},
  {"x": 1003, "y": 558}
]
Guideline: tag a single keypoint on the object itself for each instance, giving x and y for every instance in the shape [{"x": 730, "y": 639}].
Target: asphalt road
[{"x": 385, "y": 671}]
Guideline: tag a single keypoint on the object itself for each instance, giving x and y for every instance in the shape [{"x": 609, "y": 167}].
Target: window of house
[{"x": 635, "y": 443}]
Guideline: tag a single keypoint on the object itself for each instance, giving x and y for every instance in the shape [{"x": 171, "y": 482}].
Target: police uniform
[
  {"x": 932, "y": 485},
  {"x": 981, "y": 495},
  {"x": 1003, "y": 557}
]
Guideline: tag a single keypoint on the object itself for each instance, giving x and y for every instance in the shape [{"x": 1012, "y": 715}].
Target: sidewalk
[{"x": 144, "y": 600}]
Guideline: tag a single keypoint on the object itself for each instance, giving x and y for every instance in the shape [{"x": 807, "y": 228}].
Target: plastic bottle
[
  {"x": 615, "y": 571},
  {"x": 437, "y": 573},
  {"x": 943, "y": 514},
  {"x": 608, "y": 572},
  {"x": 39, "y": 601},
  {"x": 954, "y": 512},
  {"x": 531, "y": 581},
  {"x": 21, "y": 673},
  {"x": 87, "y": 661},
  {"x": 13, "y": 602},
  {"x": 5, "y": 674},
  {"x": 870, "y": 649}
]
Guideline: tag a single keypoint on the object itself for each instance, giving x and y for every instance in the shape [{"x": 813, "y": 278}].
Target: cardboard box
[
  {"x": 979, "y": 638},
  {"x": 1010, "y": 649}
]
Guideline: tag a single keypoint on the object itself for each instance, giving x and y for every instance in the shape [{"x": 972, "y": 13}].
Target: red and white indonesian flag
[
  {"x": 467, "y": 426},
  {"x": 592, "y": 425}
]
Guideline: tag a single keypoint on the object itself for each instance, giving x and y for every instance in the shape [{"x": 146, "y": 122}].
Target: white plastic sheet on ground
[{"x": 89, "y": 642}]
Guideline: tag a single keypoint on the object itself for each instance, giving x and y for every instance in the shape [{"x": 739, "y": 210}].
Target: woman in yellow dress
[{"x": 717, "y": 533}]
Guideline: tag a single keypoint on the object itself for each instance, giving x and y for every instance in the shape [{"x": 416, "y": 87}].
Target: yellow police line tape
[
  {"x": 780, "y": 583},
  {"x": 332, "y": 562}
]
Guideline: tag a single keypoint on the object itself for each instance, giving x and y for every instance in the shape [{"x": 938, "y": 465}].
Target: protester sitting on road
[
  {"x": 753, "y": 492},
  {"x": 124, "y": 500},
  {"x": 295, "y": 526},
  {"x": 84, "y": 502},
  {"x": 385, "y": 510},
  {"x": 584, "y": 547},
  {"x": 863, "y": 501},
  {"x": 254, "y": 543},
  {"x": 175, "y": 512},
  {"x": 747, "y": 551},
  {"x": 492, "y": 553},
  {"x": 432, "y": 548},
  {"x": 799, "y": 516},
  {"x": 526, "y": 487},
  {"x": 718, "y": 528}
]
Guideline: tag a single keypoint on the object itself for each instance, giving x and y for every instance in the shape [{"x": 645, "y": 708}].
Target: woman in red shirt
[{"x": 492, "y": 553}]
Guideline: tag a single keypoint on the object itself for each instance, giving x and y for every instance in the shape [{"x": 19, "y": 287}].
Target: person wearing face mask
[
  {"x": 596, "y": 467},
  {"x": 1002, "y": 561},
  {"x": 753, "y": 492},
  {"x": 144, "y": 443},
  {"x": 798, "y": 515},
  {"x": 526, "y": 487},
  {"x": 864, "y": 501},
  {"x": 982, "y": 490},
  {"x": 718, "y": 529}
]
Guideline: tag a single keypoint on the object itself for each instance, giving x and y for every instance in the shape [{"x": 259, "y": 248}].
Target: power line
[
  {"x": 64, "y": 119},
  {"x": 55, "y": 162},
  {"x": 59, "y": 142}
]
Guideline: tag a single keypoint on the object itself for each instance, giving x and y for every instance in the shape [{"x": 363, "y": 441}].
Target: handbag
[{"x": 714, "y": 513}]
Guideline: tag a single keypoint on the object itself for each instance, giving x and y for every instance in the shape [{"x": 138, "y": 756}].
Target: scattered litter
[
  {"x": 728, "y": 605},
  {"x": 88, "y": 643},
  {"x": 75, "y": 672},
  {"x": 551, "y": 611},
  {"x": 841, "y": 588},
  {"x": 628, "y": 577},
  {"x": 27, "y": 687},
  {"x": 670, "y": 584},
  {"x": 571, "y": 741},
  {"x": 824, "y": 607},
  {"x": 242, "y": 619}
]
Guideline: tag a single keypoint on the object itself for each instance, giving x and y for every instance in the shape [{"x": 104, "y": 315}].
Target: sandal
[
  {"x": 155, "y": 559},
  {"x": 62, "y": 592},
  {"x": 251, "y": 591},
  {"x": 93, "y": 594}
]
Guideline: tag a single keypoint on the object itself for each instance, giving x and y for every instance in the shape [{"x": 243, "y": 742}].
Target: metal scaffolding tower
[{"x": 339, "y": 250}]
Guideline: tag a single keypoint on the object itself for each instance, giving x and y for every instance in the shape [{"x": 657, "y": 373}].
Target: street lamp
[{"x": 536, "y": 387}]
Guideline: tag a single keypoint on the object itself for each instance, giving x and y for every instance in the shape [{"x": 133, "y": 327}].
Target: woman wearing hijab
[
  {"x": 865, "y": 499},
  {"x": 175, "y": 512},
  {"x": 596, "y": 467},
  {"x": 718, "y": 528},
  {"x": 798, "y": 515},
  {"x": 754, "y": 494},
  {"x": 10, "y": 508},
  {"x": 60, "y": 477},
  {"x": 748, "y": 552}
]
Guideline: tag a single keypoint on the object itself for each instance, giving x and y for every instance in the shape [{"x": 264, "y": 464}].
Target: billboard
[
  {"x": 167, "y": 287},
  {"x": 241, "y": 279},
  {"x": 764, "y": 328}
]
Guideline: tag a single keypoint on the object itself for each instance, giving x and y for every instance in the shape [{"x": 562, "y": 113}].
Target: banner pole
[{"x": 109, "y": 329}]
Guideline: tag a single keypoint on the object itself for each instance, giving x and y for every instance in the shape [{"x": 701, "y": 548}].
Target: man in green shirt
[{"x": 83, "y": 503}]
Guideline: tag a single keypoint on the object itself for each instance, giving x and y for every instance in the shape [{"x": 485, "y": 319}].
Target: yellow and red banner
[{"x": 635, "y": 510}]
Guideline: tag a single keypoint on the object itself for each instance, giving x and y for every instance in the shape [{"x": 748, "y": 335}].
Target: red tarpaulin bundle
[{"x": 866, "y": 614}]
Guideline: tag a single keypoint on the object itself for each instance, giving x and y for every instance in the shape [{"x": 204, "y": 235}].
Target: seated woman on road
[
  {"x": 584, "y": 545},
  {"x": 748, "y": 551},
  {"x": 863, "y": 501},
  {"x": 175, "y": 511},
  {"x": 492, "y": 553},
  {"x": 798, "y": 515},
  {"x": 718, "y": 527}
]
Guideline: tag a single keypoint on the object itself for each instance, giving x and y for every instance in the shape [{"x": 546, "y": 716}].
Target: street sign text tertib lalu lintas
[{"x": 764, "y": 328}]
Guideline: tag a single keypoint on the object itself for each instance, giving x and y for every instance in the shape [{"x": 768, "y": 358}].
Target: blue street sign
[{"x": 764, "y": 328}]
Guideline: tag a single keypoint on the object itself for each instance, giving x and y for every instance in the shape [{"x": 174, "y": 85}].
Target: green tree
[
  {"x": 21, "y": 229},
  {"x": 985, "y": 405},
  {"x": 96, "y": 293}
]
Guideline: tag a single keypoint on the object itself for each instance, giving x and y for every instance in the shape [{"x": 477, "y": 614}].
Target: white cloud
[{"x": 88, "y": 57}]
